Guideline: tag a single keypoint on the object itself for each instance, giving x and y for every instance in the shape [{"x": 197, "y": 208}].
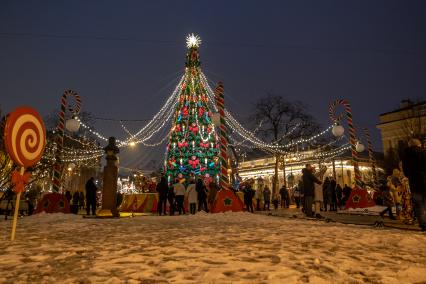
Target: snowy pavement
[{"x": 207, "y": 248}]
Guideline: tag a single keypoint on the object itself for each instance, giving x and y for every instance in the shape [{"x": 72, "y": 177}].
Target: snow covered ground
[{"x": 207, "y": 248}]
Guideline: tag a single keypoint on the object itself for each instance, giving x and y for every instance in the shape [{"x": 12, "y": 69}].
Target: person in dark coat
[
  {"x": 414, "y": 167},
  {"x": 333, "y": 197},
  {"x": 213, "y": 189},
  {"x": 202, "y": 195},
  {"x": 119, "y": 199},
  {"x": 81, "y": 200},
  {"x": 74, "y": 205},
  {"x": 346, "y": 194},
  {"x": 248, "y": 198},
  {"x": 91, "y": 196},
  {"x": 325, "y": 195},
  {"x": 171, "y": 200},
  {"x": 301, "y": 195},
  {"x": 68, "y": 196},
  {"x": 285, "y": 198},
  {"x": 266, "y": 198},
  {"x": 387, "y": 201},
  {"x": 309, "y": 188},
  {"x": 339, "y": 196},
  {"x": 162, "y": 189},
  {"x": 330, "y": 195},
  {"x": 275, "y": 201}
]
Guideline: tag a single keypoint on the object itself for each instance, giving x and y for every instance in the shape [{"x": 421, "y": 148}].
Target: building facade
[
  {"x": 341, "y": 168},
  {"x": 400, "y": 125}
]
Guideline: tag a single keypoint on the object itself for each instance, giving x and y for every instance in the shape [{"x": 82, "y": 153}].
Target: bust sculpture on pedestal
[{"x": 109, "y": 190}]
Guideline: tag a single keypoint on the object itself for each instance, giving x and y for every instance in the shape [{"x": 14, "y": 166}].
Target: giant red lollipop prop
[
  {"x": 25, "y": 136},
  {"x": 25, "y": 139}
]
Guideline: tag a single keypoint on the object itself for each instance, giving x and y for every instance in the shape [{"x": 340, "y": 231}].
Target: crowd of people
[
  {"x": 404, "y": 191},
  {"x": 200, "y": 196},
  {"x": 80, "y": 200},
  {"x": 325, "y": 196}
]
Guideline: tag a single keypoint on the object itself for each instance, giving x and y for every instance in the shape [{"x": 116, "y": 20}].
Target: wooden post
[
  {"x": 285, "y": 180},
  {"x": 334, "y": 170},
  {"x": 15, "y": 215}
]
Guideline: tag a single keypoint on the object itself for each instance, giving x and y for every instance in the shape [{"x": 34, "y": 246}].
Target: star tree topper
[{"x": 193, "y": 41}]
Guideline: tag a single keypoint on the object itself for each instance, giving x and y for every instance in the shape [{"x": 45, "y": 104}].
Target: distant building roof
[{"x": 405, "y": 105}]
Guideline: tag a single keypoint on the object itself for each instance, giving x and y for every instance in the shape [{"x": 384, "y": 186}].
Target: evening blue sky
[{"x": 124, "y": 57}]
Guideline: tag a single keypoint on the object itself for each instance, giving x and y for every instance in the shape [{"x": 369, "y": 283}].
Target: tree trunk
[
  {"x": 275, "y": 183},
  {"x": 334, "y": 170},
  {"x": 284, "y": 175}
]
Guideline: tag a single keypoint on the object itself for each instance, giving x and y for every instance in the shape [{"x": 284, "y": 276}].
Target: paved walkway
[
  {"x": 207, "y": 248},
  {"x": 342, "y": 217}
]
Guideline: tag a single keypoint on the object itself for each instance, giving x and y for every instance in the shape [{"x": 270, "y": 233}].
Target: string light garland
[
  {"x": 249, "y": 136},
  {"x": 163, "y": 116},
  {"x": 165, "y": 110}
]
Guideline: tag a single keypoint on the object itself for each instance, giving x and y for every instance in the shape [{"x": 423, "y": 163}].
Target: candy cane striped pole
[
  {"x": 57, "y": 167},
  {"x": 223, "y": 136},
  {"x": 371, "y": 156},
  {"x": 352, "y": 133}
]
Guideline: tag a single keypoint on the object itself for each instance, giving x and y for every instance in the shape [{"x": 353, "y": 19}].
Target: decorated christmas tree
[{"x": 193, "y": 145}]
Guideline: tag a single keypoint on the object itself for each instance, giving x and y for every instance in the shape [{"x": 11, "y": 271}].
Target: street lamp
[
  {"x": 359, "y": 147},
  {"x": 71, "y": 166},
  {"x": 72, "y": 124},
  {"x": 338, "y": 130}
]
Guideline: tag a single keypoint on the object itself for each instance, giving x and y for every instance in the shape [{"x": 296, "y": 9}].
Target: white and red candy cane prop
[
  {"x": 223, "y": 136},
  {"x": 57, "y": 168},
  {"x": 359, "y": 197},
  {"x": 371, "y": 156},
  {"x": 225, "y": 200},
  {"x": 352, "y": 134}
]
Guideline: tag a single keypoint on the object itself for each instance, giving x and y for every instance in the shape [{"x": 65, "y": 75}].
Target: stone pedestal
[{"x": 109, "y": 191}]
